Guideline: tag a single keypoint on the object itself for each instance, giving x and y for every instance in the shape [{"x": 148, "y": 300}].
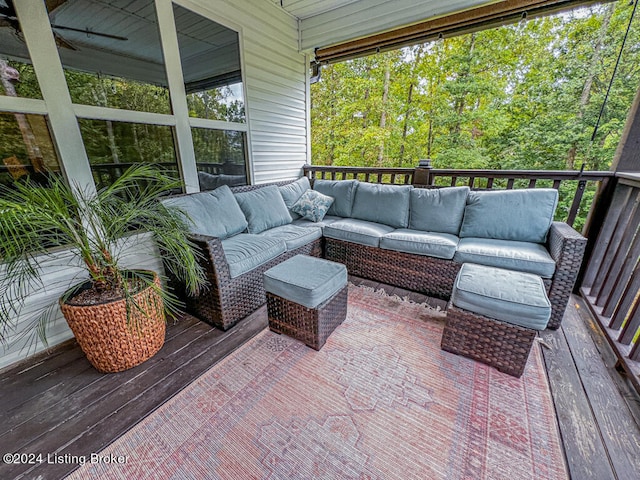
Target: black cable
[{"x": 615, "y": 69}]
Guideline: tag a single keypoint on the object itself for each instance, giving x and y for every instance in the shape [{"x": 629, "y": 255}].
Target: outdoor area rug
[{"x": 379, "y": 401}]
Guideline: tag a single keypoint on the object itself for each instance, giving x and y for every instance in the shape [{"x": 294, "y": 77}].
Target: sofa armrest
[
  {"x": 566, "y": 247},
  {"x": 211, "y": 256}
]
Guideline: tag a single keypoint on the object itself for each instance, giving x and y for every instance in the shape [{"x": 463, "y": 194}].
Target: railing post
[{"x": 422, "y": 174}]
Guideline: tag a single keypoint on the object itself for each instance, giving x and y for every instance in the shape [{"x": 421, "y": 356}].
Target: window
[
  {"x": 111, "y": 53},
  {"x": 220, "y": 157},
  {"x": 114, "y": 146},
  {"x": 26, "y": 149},
  {"x": 112, "y": 59},
  {"x": 210, "y": 56},
  {"x": 114, "y": 70}
]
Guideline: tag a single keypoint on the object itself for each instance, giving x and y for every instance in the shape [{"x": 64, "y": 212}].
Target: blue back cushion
[
  {"x": 342, "y": 192},
  {"x": 520, "y": 215},
  {"x": 214, "y": 213},
  {"x": 292, "y": 192},
  {"x": 438, "y": 209},
  {"x": 263, "y": 208},
  {"x": 386, "y": 204}
]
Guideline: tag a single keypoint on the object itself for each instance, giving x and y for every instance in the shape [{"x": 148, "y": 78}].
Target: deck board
[
  {"x": 578, "y": 428},
  {"x": 57, "y": 403},
  {"x": 613, "y": 414}
]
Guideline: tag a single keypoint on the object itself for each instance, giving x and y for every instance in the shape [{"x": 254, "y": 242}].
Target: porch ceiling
[
  {"x": 121, "y": 38},
  {"x": 328, "y": 22}
]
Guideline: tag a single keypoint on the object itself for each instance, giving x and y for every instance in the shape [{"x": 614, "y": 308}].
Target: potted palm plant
[{"x": 117, "y": 314}]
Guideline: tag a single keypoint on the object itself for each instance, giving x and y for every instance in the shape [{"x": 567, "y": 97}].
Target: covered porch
[{"x": 55, "y": 402}]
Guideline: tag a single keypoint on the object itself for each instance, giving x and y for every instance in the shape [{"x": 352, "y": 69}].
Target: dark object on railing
[
  {"x": 611, "y": 284},
  {"x": 427, "y": 177}
]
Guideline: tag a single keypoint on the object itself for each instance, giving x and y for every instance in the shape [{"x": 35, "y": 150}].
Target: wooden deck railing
[
  {"x": 611, "y": 284},
  {"x": 425, "y": 176}
]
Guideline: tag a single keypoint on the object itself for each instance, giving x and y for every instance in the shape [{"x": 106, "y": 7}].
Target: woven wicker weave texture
[
  {"x": 111, "y": 343},
  {"x": 498, "y": 344},
  {"x": 309, "y": 325}
]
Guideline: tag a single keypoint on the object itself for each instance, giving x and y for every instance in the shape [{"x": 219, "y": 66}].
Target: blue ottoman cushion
[
  {"x": 305, "y": 280},
  {"x": 518, "y": 298}
]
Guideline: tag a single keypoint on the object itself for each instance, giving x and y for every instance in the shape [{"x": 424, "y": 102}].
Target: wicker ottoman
[
  {"x": 306, "y": 298},
  {"x": 494, "y": 316}
]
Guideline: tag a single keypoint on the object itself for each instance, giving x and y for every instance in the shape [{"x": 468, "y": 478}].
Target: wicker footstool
[
  {"x": 494, "y": 316},
  {"x": 306, "y": 298}
]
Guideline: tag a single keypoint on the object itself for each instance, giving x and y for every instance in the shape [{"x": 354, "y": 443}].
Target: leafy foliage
[
  {"x": 34, "y": 219},
  {"x": 523, "y": 96}
]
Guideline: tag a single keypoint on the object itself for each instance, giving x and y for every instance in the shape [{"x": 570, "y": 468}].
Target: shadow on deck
[{"x": 58, "y": 404}]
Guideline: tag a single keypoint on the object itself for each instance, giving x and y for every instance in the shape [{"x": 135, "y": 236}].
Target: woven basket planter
[{"x": 111, "y": 342}]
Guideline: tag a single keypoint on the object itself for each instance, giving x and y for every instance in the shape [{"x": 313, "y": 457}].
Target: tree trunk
[
  {"x": 383, "y": 114},
  {"x": 588, "y": 83},
  {"x": 111, "y": 138},
  {"x": 460, "y": 100},
  {"x": 405, "y": 127}
]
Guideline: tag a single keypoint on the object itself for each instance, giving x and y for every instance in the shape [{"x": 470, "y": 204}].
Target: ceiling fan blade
[{"x": 90, "y": 32}]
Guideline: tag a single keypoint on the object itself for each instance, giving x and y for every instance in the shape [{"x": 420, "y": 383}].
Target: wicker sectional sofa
[{"x": 414, "y": 238}]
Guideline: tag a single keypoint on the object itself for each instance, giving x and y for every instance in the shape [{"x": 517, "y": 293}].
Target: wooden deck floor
[{"x": 59, "y": 405}]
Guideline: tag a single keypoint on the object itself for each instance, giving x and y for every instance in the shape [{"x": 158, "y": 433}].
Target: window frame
[{"x": 63, "y": 114}]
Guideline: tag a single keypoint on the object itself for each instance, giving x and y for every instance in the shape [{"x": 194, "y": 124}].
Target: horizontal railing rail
[
  {"x": 425, "y": 176},
  {"x": 402, "y": 176},
  {"x": 611, "y": 284}
]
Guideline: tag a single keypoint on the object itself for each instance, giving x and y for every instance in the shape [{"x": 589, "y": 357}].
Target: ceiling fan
[{"x": 9, "y": 18}]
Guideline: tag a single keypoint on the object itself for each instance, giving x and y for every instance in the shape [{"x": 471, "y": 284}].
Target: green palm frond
[{"x": 36, "y": 220}]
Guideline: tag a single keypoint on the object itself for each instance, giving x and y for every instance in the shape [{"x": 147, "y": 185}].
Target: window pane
[
  {"x": 112, "y": 147},
  {"x": 220, "y": 157},
  {"x": 17, "y": 77},
  {"x": 210, "y": 57},
  {"x": 26, "y": 149},
  {"x": 111, "y": 53}
]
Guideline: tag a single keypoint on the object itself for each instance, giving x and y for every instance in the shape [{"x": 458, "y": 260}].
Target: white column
[{"x": 175, "y": 81}]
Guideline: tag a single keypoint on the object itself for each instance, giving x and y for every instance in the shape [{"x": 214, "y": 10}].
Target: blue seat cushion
[
  {"x": 387, "y": 204},
  {"x": 307, "y": 281},
  {"x": 514, "y": 297},
  {"x": 263, "y": 208},
  {"x": 437, "y": 209},
  {"x": 327, "y": 220},
  {"x": 521, "y": 256},
  {"x": 439, "y": 245},
  {"x": 246, "y": 251},
  {"x": 294, "y": 236},
  {"x": 521, "y": 215},
  {"x": 357, "y": 231},
  {"x": 214, "y": 213},
  {"x": 292, "y": 192},
  {"x": 342, "y": 192}
]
